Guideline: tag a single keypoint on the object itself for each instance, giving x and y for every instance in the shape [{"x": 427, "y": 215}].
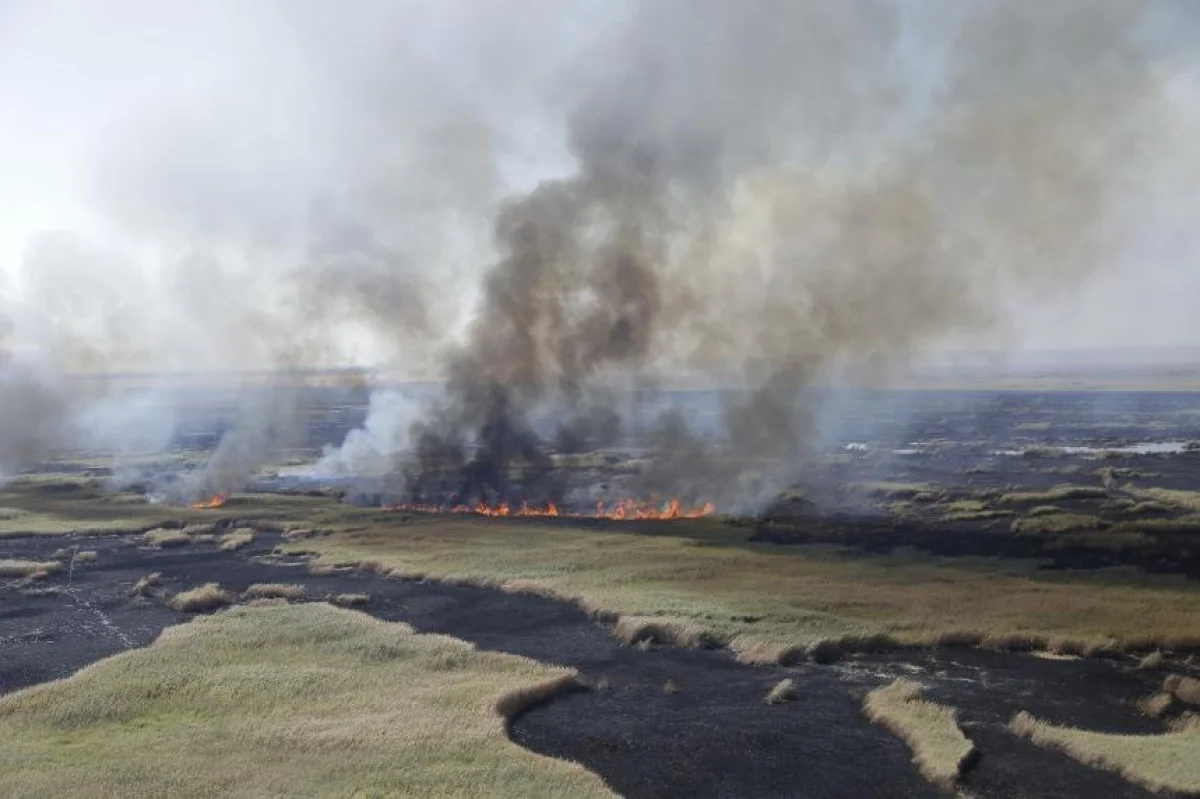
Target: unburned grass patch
[
  {"x": 771, "y": 604},
  {"x": 676, "y": 632},
  {"x": 1061, "y": 493},
  {"x": 1187, "y": 500},
  {"x": 145, "y": 584},
  {"x": 287, "y": 591},
  {"x": 209, "y": 596},
  {"x": 891, "y": 490},
  {"x": 1163, "y": 762},
  {"x": 940, "y": 749},
  {"x": 351, "y": 600},
  {"x": 16, "y": 567},
  {"x": 164, "y": 538},
  {"x": 239, "y": 538},
  {"x": 1052, "y": 523},
  {"x": 286, "y": 700},
  {"x": 1185, "y": 689}
]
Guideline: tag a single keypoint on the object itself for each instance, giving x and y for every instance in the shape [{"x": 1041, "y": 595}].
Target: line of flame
[
  {"x": 217, "y": 500},
  {"x": 622, "y": 509}
]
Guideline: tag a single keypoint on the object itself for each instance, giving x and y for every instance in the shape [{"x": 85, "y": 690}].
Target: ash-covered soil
[{"x": 663, "y": 722}]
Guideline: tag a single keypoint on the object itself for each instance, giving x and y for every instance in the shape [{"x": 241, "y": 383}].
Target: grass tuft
[
  {"x": 144, "y": 584},
  {"x": 1185, "y": 689},
  {"x": 274, "y": 591},
  {"x": 209, "y": 596},
  {"x": 1157, "y": 705},
  {"x": 675, "y": 632},
  {"x": 940, "y": 750},
  {"x": 784, "y": 691},
  {"x": 351, "y": 600}
]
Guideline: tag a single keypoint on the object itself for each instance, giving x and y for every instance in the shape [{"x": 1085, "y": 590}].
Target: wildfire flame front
[{"x": 622, "y": 509}]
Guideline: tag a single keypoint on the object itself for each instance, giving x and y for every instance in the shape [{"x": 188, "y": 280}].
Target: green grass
[
  {"x": 704, "y": 585},
  {"x": 940, "y": 749},
  {"x": 1165, "y": 762},
  {"x": 301, "y": 700}
]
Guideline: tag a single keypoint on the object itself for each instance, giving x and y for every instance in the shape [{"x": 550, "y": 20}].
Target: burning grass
[
  {"x": 286, "y": 700},
  {"x": 940, "y": 749},
  {"x": 703, "y": 583},
  {"x": 1165, "y": 762},
  {"x": 616, "y": 511}
]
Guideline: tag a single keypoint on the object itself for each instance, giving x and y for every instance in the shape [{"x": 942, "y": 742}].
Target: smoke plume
[
  {"x": 773, "y": 192},
  {"x": 548, "y": 208}
]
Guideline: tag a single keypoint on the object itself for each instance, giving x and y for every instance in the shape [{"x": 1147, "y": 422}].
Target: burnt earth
[{"x": 709, "y": 734}]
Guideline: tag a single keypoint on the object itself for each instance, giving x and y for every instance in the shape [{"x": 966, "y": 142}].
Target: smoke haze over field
[{"x": 545, "y": 205}]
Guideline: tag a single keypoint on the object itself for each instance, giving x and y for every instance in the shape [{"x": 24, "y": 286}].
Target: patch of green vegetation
[{"x": 286, "y": 700}]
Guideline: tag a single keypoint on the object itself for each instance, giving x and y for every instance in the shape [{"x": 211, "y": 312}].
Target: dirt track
[{"x": 712, "y": 735}]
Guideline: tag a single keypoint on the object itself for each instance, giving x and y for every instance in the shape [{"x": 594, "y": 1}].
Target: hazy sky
[{"x": 162, "y": 165}]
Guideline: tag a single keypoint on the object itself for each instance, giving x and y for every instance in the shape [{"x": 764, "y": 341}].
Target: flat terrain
[
  {"x": 651, "y": 721},
  {"x": 1007, "y": 553}
]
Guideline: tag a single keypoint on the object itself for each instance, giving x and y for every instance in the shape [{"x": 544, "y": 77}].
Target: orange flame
[
  {"x": 217, "y": 500},
  {"x": 622, "y": 509}
]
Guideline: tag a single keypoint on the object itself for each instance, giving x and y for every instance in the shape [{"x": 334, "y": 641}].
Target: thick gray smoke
[
  {"x": 545, "y": 207},
  {"x": 773, "y": 191}
]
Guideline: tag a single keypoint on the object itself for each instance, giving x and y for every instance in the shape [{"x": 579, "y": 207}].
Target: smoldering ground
[{"x": 769, "y": 195}]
